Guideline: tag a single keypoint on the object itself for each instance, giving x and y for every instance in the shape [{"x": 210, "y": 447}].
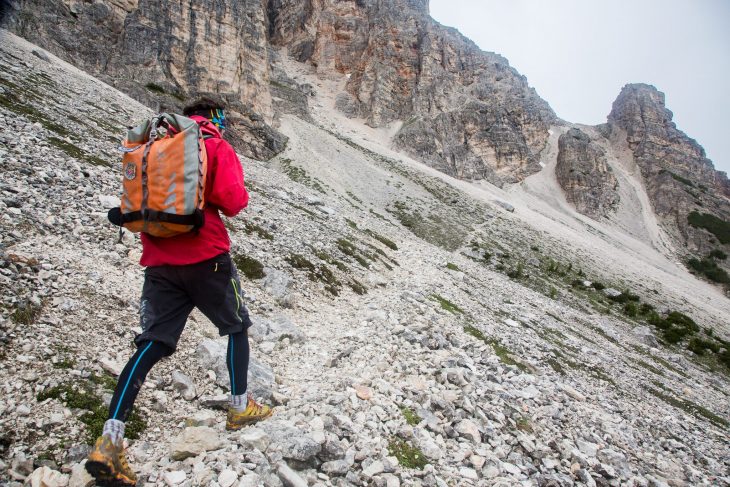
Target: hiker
[{"x": 192, "y": 269}]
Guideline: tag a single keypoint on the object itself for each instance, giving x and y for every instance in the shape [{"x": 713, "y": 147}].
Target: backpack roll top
[{"x": 164, "y": 169}]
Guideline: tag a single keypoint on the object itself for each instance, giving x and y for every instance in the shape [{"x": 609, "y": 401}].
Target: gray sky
[{"x": 578, "y": 54}]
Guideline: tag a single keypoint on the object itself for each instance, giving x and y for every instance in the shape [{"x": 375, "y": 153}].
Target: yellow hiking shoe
[
  {"x": 107, "y": 463},
  {"x": 253, "y": 413}
]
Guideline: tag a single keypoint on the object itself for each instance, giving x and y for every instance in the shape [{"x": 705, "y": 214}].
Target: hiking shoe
[
  {"x": 253, "y": 413},
  {"x": 107, "y": 463}
]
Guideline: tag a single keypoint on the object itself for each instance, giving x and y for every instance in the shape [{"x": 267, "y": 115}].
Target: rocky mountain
[
  {"x": 411, "y": 328},
  {"x": 464, "y": 111},
  {"x": 461, "y": 110},
  {"x": 584, "y": 175},
  {"x": 679, "y": 179}
]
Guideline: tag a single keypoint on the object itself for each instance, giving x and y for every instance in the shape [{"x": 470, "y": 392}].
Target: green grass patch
[
  {"x": 691, "y": 408},
  {"x": 502, "y": 352},
  {"x": 446, "y": 304},
  {"x": 408, "y": 456},
  {"x": 453, "y": 267},
  {"x": 349, "y": 249},
  {"x": 357, "y": 286},
  {"x": 385, "y": 241},
  {"x": 65, "y": 364},
  {"x": 650, "y": 367}
]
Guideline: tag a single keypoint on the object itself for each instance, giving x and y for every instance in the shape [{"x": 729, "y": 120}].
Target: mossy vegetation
[
  {"x": 410, "y": 416},
  {"x": 320, "y": 273},
  {"x": 299, "y": 175},
  {"x": 26, "y": 313},
  {"x": 452, "y": 267},
  {"x": 250, "y": 267},
  {"x": 409, "y": 456},
  {"x": 253, "y": 228},
  {"x": 75, "y": 152}
]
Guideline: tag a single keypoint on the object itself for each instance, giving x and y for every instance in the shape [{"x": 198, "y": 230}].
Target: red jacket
[{"x": 225, "y": 191}]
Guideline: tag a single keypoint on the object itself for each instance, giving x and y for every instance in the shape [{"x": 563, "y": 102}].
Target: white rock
[
  {"x": 373, "y": 469},
  {"x": 289, "y": 477},
  {"x": 174, "y": 478},
  {"x": 80, "y": 477},
  {"x": 255, "y": 438},
  {"x": 468, "y": 473},
  {"x": 46, "y": 477},
  {"x": 227, "y": 477},
  {"x": 193, "y": 441}
]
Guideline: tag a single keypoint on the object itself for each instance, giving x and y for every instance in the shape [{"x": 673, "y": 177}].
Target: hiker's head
[{"x": 210, "y": 109}]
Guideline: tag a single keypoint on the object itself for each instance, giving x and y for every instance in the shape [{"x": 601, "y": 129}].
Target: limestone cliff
[
  {"x": 679, "y": 178},
  {"x": 584, "y": 175},
  {"x": 464, "y": 111},
  {"x": 164, "y": 53}
]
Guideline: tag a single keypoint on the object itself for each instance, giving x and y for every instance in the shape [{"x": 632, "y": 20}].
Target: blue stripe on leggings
[
  {"x": 129, "y": 379},
  {"x": 233, "y": 375}
]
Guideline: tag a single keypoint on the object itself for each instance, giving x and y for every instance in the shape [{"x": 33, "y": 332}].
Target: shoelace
[
  {"x": 123, "y": 460},
  {"x": 257, "y": 408}
]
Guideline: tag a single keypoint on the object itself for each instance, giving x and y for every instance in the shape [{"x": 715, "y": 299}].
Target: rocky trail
[{"x": 408, "y": 330}]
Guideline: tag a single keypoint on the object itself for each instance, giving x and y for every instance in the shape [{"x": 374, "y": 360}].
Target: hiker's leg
[
  {"x": 164, "y": 309},
  {"x": 133, "y": 376},
  {"x": 221, "y": 300},
  {"x": 237, "y": 361}
]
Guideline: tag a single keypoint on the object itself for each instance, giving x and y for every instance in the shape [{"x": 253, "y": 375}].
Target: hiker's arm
[{"x": 229, "y": 191}]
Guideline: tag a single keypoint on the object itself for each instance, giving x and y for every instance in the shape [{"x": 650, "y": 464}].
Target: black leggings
[{"x": 149, "y": 353}]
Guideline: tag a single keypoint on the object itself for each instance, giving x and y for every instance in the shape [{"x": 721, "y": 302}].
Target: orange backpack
[{"x": 164, "y": 168}]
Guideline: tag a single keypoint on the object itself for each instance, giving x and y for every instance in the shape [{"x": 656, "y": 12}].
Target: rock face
[
  {"x": 165, "y": 54},
  {"x": 679, "y": 179},
  {"x": 584, "y": 175},
  {"x": 465, "y": 112}
]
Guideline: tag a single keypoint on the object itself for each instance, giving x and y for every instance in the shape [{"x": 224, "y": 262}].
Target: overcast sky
[{"x": 578, "y": 54}]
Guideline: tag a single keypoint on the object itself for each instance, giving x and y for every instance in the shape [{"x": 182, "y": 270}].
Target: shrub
[
  {"x": 578, "y": 283},
  {"x": 625, "y": 297},
  {"x": 631, "y": 309},
  {"x": 598, "y": 286},
  {"x": 452, "y": 267},
  {"x": 709, "y": 269},
  {"x": 719, "y": 228},
  {"x": 699, "y": 345},
  {"x": 517, "y": 272},
  {"x": 645, "y": 309},
  {"x": 718, "y": 254}
]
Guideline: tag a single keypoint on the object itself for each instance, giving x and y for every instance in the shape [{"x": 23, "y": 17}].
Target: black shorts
[{"x": 171, "y": 292}]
